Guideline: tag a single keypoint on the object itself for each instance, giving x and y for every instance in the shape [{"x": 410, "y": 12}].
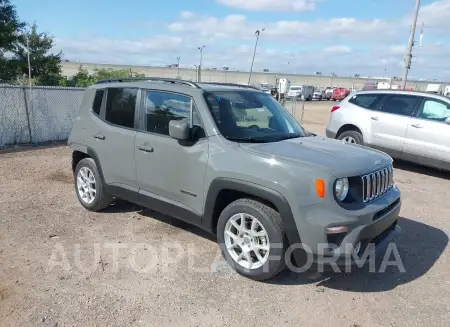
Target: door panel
[
  {"x": 390, "y": 122},
  {"x": 113, "y": 137},
  {"x": 427, "y": 138},
  {"x": 169, "y": 169}
]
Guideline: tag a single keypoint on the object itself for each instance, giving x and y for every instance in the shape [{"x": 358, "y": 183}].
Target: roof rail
[
  {"x": 148, "y": 79},
  {"x": 232, "y": 84}
]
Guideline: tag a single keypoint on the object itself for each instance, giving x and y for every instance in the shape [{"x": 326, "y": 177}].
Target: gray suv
[{"x": 231, "y": 160}]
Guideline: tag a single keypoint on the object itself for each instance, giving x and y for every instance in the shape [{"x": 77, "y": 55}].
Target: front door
[
  {"x": 389, "y": 123},
  {"x": 168, "y": 170},
  {"x": 427, "y": 139}
]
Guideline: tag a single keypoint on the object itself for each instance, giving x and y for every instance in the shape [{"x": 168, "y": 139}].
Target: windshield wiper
[{"x": 249, "y": 139}]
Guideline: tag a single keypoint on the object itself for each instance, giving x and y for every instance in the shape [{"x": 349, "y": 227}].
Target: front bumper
[{"x": 373, "y": 227}]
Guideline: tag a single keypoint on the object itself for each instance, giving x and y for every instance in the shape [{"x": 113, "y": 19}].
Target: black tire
[
  {"x": 356, "y": 135},
  {"x": 102, "y": 199},
  {"x": 271, "y": 220}
]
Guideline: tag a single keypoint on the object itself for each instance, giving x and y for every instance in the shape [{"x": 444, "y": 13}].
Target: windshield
[{"x": 248, "y": 116}]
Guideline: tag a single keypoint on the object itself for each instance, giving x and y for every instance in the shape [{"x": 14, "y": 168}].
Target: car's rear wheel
[
  {"x": 251, "y": 239},
  {"x": 353, "y": 137},
  {"x": 89, "y": 186}
]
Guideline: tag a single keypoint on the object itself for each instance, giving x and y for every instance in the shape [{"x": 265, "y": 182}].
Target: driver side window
[{"x": 434, "y": 109}]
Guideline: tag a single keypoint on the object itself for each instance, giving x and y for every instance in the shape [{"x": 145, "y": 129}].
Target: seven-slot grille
[{"x": 377, "y": 183}]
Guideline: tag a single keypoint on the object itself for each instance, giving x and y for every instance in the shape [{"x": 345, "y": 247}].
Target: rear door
[
  {"x": 388, "y": 124},
  {"x": 113, "y": 136},
  {"x": 427, "y": 138}
]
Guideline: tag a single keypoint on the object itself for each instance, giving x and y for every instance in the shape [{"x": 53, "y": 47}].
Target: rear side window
[
  {"x": 399, "y": 104},
  {"x": 98, "y": 101},
  {"x": 120, "y": 106},
  {"x": 367, "y": 101}
]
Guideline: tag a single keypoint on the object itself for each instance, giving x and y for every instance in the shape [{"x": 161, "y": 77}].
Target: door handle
[
  {"x": 99, "y": 137},
  {"x": 416, "y": 125},
  {"x": 374, "y": 118},
  {"x": 145, "y": 148}
]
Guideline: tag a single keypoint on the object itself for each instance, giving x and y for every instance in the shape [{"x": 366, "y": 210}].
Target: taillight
[{"x": 335, "y": 108}]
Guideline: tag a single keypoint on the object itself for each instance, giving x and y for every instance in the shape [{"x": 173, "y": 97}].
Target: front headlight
[{"x": 341, "y": 189}]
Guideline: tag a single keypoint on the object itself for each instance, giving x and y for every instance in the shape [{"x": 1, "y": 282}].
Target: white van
[{"x": 300, "y": 91}]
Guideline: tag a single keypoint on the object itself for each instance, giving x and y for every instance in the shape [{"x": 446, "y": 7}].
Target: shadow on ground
[
  {"x": 423, "y": 170},
  {"x": 419, "y": 247}
]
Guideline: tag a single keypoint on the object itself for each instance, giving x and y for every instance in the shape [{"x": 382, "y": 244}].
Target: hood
[{"x": 337, "y": 158}]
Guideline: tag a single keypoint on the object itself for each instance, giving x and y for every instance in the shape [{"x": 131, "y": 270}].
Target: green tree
[
  {"x": 10, "y": 26},
  {"x": 45, "y": 65},
  {"x": 83, "y": 79}
]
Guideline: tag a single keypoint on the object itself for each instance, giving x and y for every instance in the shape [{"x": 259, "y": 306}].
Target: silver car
[{"x": 412, "y": 126}]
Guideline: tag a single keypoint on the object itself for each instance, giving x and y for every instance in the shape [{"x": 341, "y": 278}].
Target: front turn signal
[{"x": 320, "y": 188}]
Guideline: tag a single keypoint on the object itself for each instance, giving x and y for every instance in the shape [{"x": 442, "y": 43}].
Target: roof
[
  {"x": 173, "y": 83},
  {"x": 417, "y": 93}
]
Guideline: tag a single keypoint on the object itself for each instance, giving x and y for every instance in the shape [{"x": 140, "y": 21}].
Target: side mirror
[{"x": 179, "y": 129}]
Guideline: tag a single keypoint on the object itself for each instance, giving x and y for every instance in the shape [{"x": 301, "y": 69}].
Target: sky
[{"x": 345, "y": 37}]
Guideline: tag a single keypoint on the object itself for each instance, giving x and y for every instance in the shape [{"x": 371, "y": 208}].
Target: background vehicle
[
  {"x": 447, "y": 91},
  {"x": 283, "y": 85},
  {"x": 153, "y": 142},
  {"x": 301, "y": 91},
  {"x": 328, "y": 93},
  {"x": 408, "y": 125},
  {"x": 434, "y": 88},
  {"x": 318, "y": 94},
  {"x": 339, "y": 93}
]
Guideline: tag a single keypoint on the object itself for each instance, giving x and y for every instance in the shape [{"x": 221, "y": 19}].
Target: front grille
[{"x": 377, "y": 183}]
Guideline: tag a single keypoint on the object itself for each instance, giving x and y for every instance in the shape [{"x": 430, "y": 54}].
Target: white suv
[{"x": 412, "y": 126}]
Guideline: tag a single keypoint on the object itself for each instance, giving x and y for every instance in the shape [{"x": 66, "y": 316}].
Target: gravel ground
[{"x": 61, "y": 265}]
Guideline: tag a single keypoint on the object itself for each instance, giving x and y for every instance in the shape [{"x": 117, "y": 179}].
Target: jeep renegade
[{"x": 231, "y": 160}]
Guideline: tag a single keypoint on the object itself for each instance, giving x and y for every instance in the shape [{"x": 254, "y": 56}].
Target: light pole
[
  {"x": 254, "y": 53},
  {"x": 332, "y": 75},
  {"x": 410, "y": 44},
  {"x": 200, "y": 66},
  {"x": 178, "y": 67}
]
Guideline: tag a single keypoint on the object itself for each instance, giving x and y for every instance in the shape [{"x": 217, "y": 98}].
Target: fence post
[{"x": 24, "y": 90}]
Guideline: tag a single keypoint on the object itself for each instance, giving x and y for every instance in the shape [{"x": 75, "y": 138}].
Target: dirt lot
[{"x": 58, "y": 266}]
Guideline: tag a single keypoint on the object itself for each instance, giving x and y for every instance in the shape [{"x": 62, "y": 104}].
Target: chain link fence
[{"x": 39, "y": 115}]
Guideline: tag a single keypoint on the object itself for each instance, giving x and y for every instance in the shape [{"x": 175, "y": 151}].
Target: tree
[
  {"x": 83, "y": 79},
  {"x": 45, "y": 65},
  {"x": 10, "y": 26}
]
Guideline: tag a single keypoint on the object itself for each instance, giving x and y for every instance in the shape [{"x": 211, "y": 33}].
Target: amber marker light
[{"x": 320, "y": 188}]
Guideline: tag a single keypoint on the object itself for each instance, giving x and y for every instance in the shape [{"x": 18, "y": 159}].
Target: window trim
[
  {"x": 142, "y": 125},
  {"x": 422, "y": 102},
  {"x": 389, "y": 95},
  {"x": 103, "y": 109}
]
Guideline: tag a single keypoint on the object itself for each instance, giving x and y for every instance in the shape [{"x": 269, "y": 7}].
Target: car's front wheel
[
  {"x": 251, "y": 239},
  {"x": 89, "y": 186}
]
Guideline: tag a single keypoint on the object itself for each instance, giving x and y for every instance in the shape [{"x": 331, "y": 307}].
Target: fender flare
[{"x": 275, "y": 197}]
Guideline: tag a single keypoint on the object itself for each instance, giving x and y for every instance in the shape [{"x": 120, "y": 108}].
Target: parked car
[
  {"x": 318, "y": 95},
  {"x": 328, "y": 93},
  {"x": 232, "y": 161},
  {"x": 300, "y": 92},
  {"x": 339, "y": 93},
  {"x": 408, "y": 125}
]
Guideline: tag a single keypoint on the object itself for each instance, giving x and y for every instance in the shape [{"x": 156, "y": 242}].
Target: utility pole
[
  {"x": 178, "y": 67},
  {"x": 254, "y": 53},
  {"x": 410, "y": 44},
  {"x": 199, "y": 76}
]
